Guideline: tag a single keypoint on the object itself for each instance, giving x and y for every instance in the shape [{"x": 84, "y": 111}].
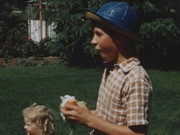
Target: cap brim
[{"x": 91, "y": 15}]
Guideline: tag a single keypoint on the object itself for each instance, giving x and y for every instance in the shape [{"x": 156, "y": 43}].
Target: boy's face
[
  {"x": 104, "y": 45},
  {"x": 31, "y": 128}
]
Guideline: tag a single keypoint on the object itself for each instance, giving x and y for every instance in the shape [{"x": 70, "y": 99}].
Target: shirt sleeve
[{"x": 138, "y": 102}]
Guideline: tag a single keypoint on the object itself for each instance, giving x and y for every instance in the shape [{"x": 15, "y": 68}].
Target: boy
[{"x": 124, "y": 96}]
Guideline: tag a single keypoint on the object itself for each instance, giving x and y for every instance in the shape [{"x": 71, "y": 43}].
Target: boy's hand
[
  {"x": 69, "y": 104},
  {"x": 78, "y": 112}
]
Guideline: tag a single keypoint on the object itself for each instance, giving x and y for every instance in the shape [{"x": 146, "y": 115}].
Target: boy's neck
[{"x": 121, "y": 58}]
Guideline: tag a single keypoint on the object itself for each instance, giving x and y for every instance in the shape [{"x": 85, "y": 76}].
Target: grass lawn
[{"x": 22, "y": 86}]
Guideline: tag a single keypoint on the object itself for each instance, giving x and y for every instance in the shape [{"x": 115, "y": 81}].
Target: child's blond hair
[{"x": 42, "y": 117}]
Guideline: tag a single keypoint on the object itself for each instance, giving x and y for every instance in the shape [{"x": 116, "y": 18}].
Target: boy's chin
[{"x": 107, "y": 61}]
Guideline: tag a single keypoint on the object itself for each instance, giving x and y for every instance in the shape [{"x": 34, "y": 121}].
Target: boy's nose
[{"x": 93, "y": 41}]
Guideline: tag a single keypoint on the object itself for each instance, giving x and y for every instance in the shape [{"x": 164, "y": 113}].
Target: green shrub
[
  {"x": 73, "y": 32},
  {"x": 162, "y": 45}
]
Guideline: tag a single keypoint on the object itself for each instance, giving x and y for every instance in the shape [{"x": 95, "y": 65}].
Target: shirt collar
[{"x": 127, "y": 65}]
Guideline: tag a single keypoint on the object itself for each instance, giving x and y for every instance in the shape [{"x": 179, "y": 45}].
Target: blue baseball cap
[{"x": 118, "y": 16}]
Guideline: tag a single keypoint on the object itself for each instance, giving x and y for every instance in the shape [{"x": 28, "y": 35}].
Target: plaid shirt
[{"x": 124, "y": 95}]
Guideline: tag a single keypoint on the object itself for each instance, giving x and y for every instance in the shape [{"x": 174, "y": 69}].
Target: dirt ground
[{"x": 12, "y": 62}]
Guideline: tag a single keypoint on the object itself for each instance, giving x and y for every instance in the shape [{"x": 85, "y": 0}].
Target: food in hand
[
  {"x": 72, "y": 102},
  {"x": 67, "y": 100}
]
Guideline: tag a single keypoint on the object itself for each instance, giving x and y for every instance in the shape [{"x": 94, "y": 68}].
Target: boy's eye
[{"x": 98, "y": 33}]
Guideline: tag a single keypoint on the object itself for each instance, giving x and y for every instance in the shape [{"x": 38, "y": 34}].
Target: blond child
[{"x": 39, "y": 120}]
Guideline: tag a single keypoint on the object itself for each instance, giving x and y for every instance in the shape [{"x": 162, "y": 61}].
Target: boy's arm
[
  {"x": 83, "y": 115},
  {"x": 114, "y": 129}
]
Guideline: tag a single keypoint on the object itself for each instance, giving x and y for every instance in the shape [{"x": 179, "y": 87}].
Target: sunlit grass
[{"x": 22, "y": 86}]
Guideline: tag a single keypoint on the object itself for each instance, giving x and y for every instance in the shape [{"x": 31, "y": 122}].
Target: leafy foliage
[
  {"x": 158, "y": 22},
  {"x": 13, "y": 34},
  {"x": 72, "y": 33},
  {"x": 163, "y": 28},
  {"x": 161, "y": 33},
  {"x": 14, "y": 40}
]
